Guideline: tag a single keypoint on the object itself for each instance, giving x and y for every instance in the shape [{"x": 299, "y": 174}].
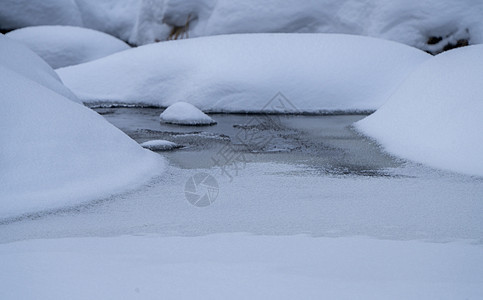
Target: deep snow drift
[
  {"x": 435, "y": 117},
  {"x": 55, "y": 152},
  {"x": 62, "y": 46},
  {"x": 146, "y": 21},
  {"x": 241, "y": 73},
  {"x": 22, "y": 60},
  {"x": 183, "y": 113}
]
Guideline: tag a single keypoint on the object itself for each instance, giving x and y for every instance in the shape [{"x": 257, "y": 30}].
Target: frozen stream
[{"x": 300, "y": 174}]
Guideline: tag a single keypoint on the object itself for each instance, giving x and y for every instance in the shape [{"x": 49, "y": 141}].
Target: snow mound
[
  {"x": 241, "y": 73},
  {"x": 22, "y": 60},
  {"x": 146, "y": 21},
  {"x": 409, "y": 22},
  {"x": 435, "y": 117},
  {"x": 115, "y": 17},
  {"x": 183, "y": 113},
  {"x": 62, "y": 46},
  {"x": 20, "y": 13},
  {"x": 55, "y": 152},
  {"x": 160, "y": 145}
]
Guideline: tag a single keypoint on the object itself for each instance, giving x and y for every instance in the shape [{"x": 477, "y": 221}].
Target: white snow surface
[
  {"x": 435, "y": 116},
  {"x": 145, "y": 21},
  {"x": 62, "y": 46},
  {"x": 239, "y": 266},
  {"x": 410, "y": 22},
  {"x": 20, "y": 13},
  {"x": 22, "y": 60},
  {"x": 183, "y": 113},
  {"x": 115, "y": 17},
  {"x": 241, "y": 73},
  {"x": 55, "y": 152},
  {"x": 159, "y": 145}
]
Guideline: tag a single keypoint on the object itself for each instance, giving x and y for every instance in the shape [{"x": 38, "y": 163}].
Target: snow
[
  {"x": 315, "y": 72},
  {"x": 239, "y": 266},
  {"x": 62, "y": 46},
  {"x": 20, "y": 13},
  {"x": 56, "y": 153},
  {"x": 410, "y": 22},
  {"x": 159, "y": 145},
  {"x": 435, "y": 116},
  {"x": 22, "y": 60},
  {"x": 114, "y": 17},
  {"x": 182, "y": 113},
  {"x": 146, "y": 21}
]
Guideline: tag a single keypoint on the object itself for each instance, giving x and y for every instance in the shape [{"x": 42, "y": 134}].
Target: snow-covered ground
[
  {"x": 435, "y": 117},
  {"x": 20, "y": 59},
  {"x": 240, "y": 73},
  {"x": 239, "y": 266},
  {"x": 62, "y": 46},
  {"x": 145, "y": 21},
  {"x": 301, "y": 206},
  {"x": 55, "y": 152}
]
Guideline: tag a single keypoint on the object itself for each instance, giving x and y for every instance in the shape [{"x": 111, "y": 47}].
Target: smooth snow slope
[
  {"x": 239, "y": 266},
  {"x": 54, "y": 152},
  {"x": 183, "y": 113},
  {"x": 62, "y": 46},
  {"x": 435, "y": 117},
  {"x": 241, "y": 73},
  {"x": 17, "y": 57}
]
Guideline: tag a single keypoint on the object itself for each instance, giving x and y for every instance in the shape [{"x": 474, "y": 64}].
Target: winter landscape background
[{"x": 241, "y": 149}]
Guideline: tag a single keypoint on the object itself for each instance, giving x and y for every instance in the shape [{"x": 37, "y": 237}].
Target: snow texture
[
  {"x": 241, "y": 73},
  {"x": 183, "y": 113},
  {"x": 435, "y": 116},
  {"x": 55, "y": 152},
  {"x": 160, "y": 145},
  {"x": 22, "y": 60},
  {"x": 62, "y": 46},
  {"x": 239, "y": 266},
  {"x": 145, "y": 21}
]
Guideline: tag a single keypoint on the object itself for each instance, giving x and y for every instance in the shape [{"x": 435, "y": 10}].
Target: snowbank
[
  {"x": 241, "y": 73},
  {"x": 62, "y": 46},
  {"x": 111, "y": 16},
  {"x": 239, "y": 266},
  {"x": 20, "y": 13},
  {"x": 145, "y": 21},
  {"x": 410, "y": 22},
  {"x": 22, "y": 60},
  {"x": 55, "y": 152},
  {"x": 435, "y": 117},
  {"x": 183, "y": 113}
]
